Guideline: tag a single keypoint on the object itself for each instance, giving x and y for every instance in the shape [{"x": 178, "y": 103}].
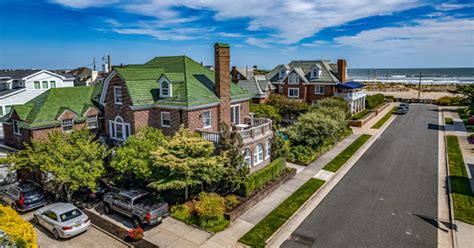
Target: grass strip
[
  {"x": 384, "y": 119},
  {"x": 448, "y": 121},
  {"x": 362, "y": 114},
  {"x": 345, "y": 155},
  {"x": 258, "y": 235},
  {"x": 463, "y": 198}
]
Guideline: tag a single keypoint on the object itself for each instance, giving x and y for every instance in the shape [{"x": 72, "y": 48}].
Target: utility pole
[
  {"x": 419, "y": 88},
  {"x": 108, "y": 63},
  {"x": 93, "y": 62}
]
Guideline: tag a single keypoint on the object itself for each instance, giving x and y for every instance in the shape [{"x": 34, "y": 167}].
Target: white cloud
[
  {"x": 424, "y": 37},
  {"x": 287, "y": 21},
  {"x": 452, "y": 6},
  {"x": 81, "y": 4},
  {"x": 316, "y": 43}
]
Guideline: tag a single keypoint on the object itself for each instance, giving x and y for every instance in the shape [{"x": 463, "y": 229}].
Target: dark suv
[{"x": 23, "y": 196}]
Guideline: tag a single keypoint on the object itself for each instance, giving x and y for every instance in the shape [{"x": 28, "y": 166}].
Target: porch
[{"x": 354, "y": 94}]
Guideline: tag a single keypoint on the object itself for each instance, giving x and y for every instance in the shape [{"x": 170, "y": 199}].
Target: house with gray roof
[{"x": 259, "y": 86}]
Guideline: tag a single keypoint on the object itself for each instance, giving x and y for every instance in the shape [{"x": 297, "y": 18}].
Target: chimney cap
[{"x": 223, "y": 45}]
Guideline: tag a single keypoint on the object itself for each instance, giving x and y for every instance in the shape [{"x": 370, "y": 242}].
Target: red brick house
[
  {"x": 167, "y": 92},
  {"x": 308, "y": 80},
  {"x": 58, "y": 109}
]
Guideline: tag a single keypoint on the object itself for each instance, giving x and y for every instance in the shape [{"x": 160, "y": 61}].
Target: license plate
[{"x": 77, "y": 224}]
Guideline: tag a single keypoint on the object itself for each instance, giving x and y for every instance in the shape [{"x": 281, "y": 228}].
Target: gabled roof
[
  {"x": 246, "y": 72},
  {"x": 192, "y": 83},
  {"x": 328, "y": 72},
  {"x": 17, "y": 73},
  {"x": 256, "y": 85},
  {"x": 44, "y": 109}
]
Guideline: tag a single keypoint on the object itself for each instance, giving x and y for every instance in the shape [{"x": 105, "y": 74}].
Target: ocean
[{"x": 403, "y": 75}]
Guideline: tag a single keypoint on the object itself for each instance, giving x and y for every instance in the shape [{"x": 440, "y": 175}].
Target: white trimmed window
[
  {"x": 207, "y": 119},
  {"x": 92, "y": 122},
  {"x": 319, "y": 90},
  {"x": 165, "y": 88},
  {"x": 235, "y": 114},
  {"x": 67, "y": 125},
  {"x": 282, "y": 73},
  {"x": 118, "y": 95},
  {"x": 118, "y": 129},
  {"x": 258, "y": 154},
  {"x": 293, "y": 93},
  {"x": 293, "y": 79},
  {"x": 315, "y": 73},
  {"x": 165, "y": 119},
  {"x": 52, "y": 84},
  {"x": 45, "y": 85},
  {"x": 37, "y": 85},
  {"x": 16, "y": 127},
  {"x": 247, "y": 157},
  {"x": 268, "y": 148}
]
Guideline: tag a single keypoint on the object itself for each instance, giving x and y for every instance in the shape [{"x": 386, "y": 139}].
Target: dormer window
[
  {"x": 315, "y": 73},
  {"x": 282, "y": 72},
  {"x": 293, "y": 79},
  {"x": 67, "y": 125},
  {"x": 165, "y": 88}
]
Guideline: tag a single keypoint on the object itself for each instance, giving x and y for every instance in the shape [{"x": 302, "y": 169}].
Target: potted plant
[{"x": 135, "y": 234}]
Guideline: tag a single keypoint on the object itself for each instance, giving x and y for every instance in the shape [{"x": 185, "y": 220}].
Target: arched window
[
  {"x": 258, "y": 154},
  {"x": 118, "y": 129},
  {"x": 165, "y": 88},
  {"x": 247, "y": 157},
  {"x": 268, "y": 148}
]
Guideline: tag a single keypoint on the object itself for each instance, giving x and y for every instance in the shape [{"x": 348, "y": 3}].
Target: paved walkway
[{"x": 464, "y": 232}]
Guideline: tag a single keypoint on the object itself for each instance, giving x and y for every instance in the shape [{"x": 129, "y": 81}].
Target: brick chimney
[
  {"x": 341, "y": 70},
  {"x": 222, "y": 64}
]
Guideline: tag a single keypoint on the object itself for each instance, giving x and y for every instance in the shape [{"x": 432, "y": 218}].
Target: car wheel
[
  {"x": 107, "y": 209},
  {"x": 55, "y": 234},
  {"x": 136, "y": 222}
]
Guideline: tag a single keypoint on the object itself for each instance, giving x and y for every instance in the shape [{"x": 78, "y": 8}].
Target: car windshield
[
  {"x": 70, "y": 215},
  {"x": 33, "y": 192}
]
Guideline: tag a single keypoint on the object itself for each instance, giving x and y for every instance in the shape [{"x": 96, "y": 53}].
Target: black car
[
  {"x": 23, "y": 196},
  {"x": 87, "y": 195}
]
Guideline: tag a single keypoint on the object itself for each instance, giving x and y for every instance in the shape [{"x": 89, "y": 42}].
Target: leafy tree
[
  {"x": 280, "y": 147},
  {"x": 185, "y": 160},
  {"x": 233, "y": 160},
  {"x": 133, "y": 160},
  {"x": 266, "y": 111},
  {"x": 71, "y": 160},
  {"x": 287, "y": 108}
]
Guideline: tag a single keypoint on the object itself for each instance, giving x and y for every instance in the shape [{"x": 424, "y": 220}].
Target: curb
[
  {"x": 452, "y": 220},
  {"x": 354, "y": 158},
  {"x": 110, "y": 235}
]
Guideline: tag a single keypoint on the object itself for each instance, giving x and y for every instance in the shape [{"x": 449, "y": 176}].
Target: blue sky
[{"x": 369, "y": 34}]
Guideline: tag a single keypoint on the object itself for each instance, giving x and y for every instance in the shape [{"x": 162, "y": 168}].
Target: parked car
[
  {"x": 401, "y": 110},
  {"x": 63, "y": 220},
  {"x": 137, "y": 204},
  {"x": 23, "y": 196},
  {"x": 405, "y": 105},
  {"x": 87, "y": 195}
]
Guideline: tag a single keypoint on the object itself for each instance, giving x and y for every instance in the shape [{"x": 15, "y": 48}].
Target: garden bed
[
  {"x": 116, "y": 231},
  {"x": 248, "y": 202},
  {"x": 369, "y": 116}
]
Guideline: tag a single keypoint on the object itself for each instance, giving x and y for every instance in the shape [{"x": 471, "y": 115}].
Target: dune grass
[{"x": 345, "y": 155}]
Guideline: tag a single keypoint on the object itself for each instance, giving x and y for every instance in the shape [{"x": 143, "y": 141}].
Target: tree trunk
[
  {"x": 68, "y": 193},
  {"x": 186, "y": 193}
]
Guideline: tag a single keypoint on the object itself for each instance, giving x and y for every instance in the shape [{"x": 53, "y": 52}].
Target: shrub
[
  {"x": 301, "y": 155},
  {"x": 448, "y": 120},
  {"x": 280, "y": 147},
  {"x": 267, "y": 111},
  {"x": 231, "y": 201},
  {"x": 286, "y": 107},
  {"x": 261, "y": 177},
  {"x": 210, "y": 210},
  {"x": 181, "y": 211},
  {"x": 20, "y": 231},
  {"x": 135, "y": 234},
  {"x": 332, "y": 102},
  {"x": 374, "y": 101},
  {"x": 470, "y": 120},
  {"x": 451, "y": 101},
  {"x": 360, "y": 115},
  {"x": 471, "y": 138}
]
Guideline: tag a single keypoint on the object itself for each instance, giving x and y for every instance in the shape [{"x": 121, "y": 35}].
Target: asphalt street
[{"x": 389, "y": 198}]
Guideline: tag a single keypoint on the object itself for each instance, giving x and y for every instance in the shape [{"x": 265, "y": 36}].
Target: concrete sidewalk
[{"x": 464, "y": 231}]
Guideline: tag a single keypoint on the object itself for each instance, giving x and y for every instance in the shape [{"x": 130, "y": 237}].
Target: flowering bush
[
  {"x": 20, "y": 231},
  {"x": 470, "y": 121},
  {"x": 135, "y": 234},
  {"x": 471, "y": 139}
]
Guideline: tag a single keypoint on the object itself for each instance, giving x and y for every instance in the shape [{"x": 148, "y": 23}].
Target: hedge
[
  {"x": 258, "y": 235},
  {"x": 360, "y": 115},
  {"x": 374, "y": 101},
  {"x": 261, "y": 177},
  {"x": 451, "y": 101}
]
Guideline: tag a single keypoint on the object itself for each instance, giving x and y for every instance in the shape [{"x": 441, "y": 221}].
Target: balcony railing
[
  {"x": 251, "y": 129},
  {"x": 351, "y": 95}
]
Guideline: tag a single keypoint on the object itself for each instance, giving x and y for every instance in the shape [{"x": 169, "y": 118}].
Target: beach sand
[{"x": 412, "y": 94}]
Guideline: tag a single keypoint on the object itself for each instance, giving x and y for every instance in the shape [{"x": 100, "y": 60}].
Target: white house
[
  {"x": 354, "y": 94},
  {"x": 20, "y": 86}
]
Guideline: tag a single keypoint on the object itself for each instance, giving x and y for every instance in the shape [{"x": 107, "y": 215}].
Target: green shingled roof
[
  {"x": 44, "y": 109},
  {"x": 192, "y": 83}
]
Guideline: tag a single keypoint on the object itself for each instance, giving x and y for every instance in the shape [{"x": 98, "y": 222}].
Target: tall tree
[
  {"x": 70, "y": 160},
  {"x": 186, "y": 160},
  {"x": 133, "y": 160}
]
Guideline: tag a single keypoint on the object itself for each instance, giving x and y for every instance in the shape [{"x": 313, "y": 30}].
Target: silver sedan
[{"x": 63, "y": 220}]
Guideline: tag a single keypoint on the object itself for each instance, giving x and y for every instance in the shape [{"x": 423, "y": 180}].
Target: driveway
[
  {"x": 91, "y": 238},
  {"x": 389, "y": 198}
]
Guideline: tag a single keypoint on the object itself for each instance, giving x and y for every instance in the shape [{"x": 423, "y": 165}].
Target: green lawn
[
  {"x": 384, "y": 119},
  {"x": 463, "y": 199},
  {"x": 345, "y": 155},
  {"x": 257, "y": 236},
  {"x": 448, "y": 121}
]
